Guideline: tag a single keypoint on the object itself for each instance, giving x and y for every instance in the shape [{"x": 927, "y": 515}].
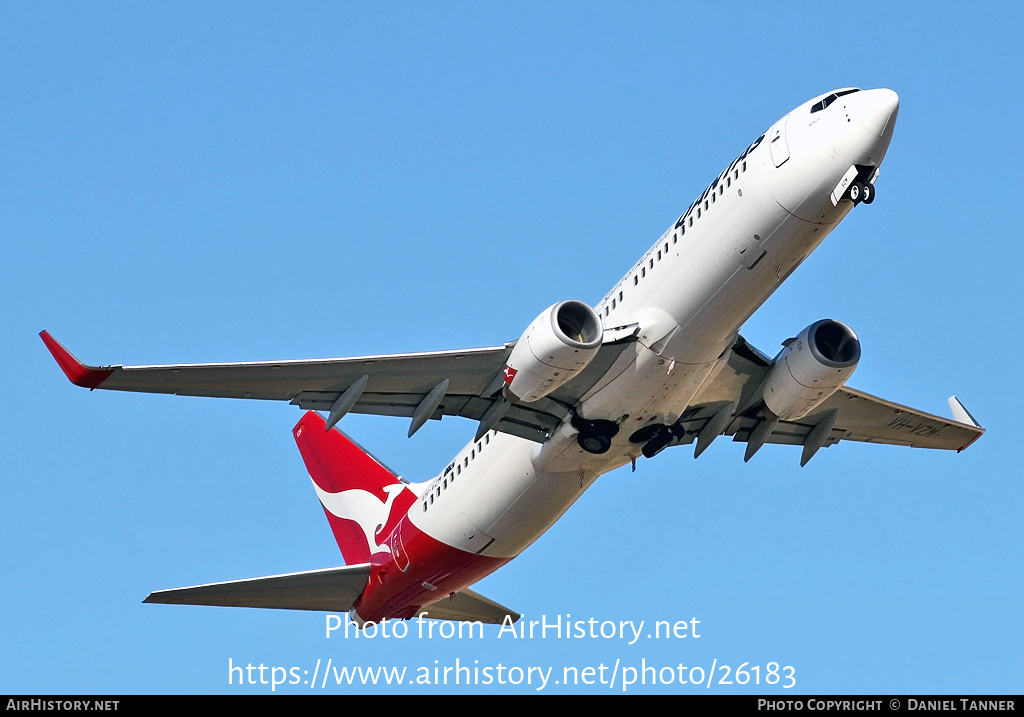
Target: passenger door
[{"x": 777, "y": 142}]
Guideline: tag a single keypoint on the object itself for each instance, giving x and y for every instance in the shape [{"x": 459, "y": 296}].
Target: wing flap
[{"x": 330, "y": 589}]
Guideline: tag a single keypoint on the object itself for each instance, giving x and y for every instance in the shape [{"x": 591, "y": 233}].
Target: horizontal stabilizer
[
  {"x": 330, "y": 590},
  {"x": 468, "y": 606}
]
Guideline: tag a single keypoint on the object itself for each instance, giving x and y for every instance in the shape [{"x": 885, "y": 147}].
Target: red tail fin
[{"x": 363, "y": 500}]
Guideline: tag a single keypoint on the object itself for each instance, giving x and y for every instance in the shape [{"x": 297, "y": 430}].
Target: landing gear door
[{"x": 777, "y": 142}]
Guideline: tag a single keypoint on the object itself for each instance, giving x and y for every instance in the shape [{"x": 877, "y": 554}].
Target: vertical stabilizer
[{"x": 363, "y": 500}]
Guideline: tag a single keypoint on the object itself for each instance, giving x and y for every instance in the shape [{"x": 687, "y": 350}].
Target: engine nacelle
[
  {"x": 811, "y": 368},
  {"x": 557, "y": 345}
]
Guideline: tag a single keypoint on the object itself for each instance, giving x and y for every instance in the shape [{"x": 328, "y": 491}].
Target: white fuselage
[{"x": 690, "y": 293}]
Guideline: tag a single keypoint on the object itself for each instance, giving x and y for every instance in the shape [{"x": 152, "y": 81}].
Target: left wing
[
  {"x": 420, "y": 386},
  {"x": 848, "y": 415}
]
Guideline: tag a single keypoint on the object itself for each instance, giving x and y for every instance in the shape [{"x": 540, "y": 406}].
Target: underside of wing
[
  {"x": 862, "y": 417},
  {"x": 330, "y": 590},
  {"x": 731, "y": 404},
  {"x": 420, "y": 386}
]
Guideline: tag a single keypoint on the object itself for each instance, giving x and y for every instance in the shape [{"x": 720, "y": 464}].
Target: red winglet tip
[{"x": 76, "y": 371}]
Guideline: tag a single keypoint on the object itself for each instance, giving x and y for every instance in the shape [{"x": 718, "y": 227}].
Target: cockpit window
[{"x": 819, "y": 106}]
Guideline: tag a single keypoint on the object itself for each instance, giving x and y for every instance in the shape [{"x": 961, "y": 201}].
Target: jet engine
[
  {"x": 811, "y": 368},
  {"x": 557, "y": 345}
]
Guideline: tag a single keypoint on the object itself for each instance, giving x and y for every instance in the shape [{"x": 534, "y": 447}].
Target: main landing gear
[
  {"x": 858, "y": 193},
  {"x": 657, "y": 437},
  {"x": 595, "y": 436}
]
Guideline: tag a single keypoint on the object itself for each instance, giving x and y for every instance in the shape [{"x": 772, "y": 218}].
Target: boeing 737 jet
[{"x": 658, "y": 362}]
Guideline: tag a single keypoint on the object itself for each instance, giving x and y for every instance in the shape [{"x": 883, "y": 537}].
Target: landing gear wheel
[
  {"x": 594, "y": 443},
  {"x": 594, "y": 436},
  {"x": 869, "y": 193},
  {"x": 856, "y": 192}
]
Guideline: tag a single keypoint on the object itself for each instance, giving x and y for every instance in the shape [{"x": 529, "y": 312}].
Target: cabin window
[
  {"x": 744, "y": 166},
  {"x": 666, "y": 247},
  {"x": 445, "y": 482},
  {"x": 636, "y": 279},
  {"x": 728, "y": 181},
  {"x": 620, "y": 296},
  {"x": 652, "y": 262},
  {"x": 487, "y": 438},
  {"x": 698, "y": 212},
  {"x": 643, "y": 271},
  {"x": 673, "y": 238},
  {"x": 431, "y": 498},
  {"x": 721, "y": 190},
  {"x": 479, "y": 446},
  {"x": 473, "y": 454},
  {"x": 691, "y": 220},
  {"x": 659, "y": 254},
  {"x": 705, "y": 205},
  {"x": 606, "y": 311},
  {"x": 613, "y": 303},
  {"x": 458, "y": 469},
  {"x": 465, "y": 463}
]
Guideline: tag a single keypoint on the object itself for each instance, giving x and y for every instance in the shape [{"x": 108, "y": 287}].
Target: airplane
[{"x": 658, "y": 362}]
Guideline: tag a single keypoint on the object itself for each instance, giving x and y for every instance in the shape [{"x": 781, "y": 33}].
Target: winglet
[
  {"x": 962, "y": 415},
  {"x": 77, "y": 372}
]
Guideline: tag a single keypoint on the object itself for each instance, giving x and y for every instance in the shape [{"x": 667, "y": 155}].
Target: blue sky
[{"x": 246, "y": 181}]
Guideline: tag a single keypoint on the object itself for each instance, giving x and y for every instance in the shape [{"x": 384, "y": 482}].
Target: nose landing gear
[
  {"x": 869, "y": 193},
  {"x": 858, "y": 193}
]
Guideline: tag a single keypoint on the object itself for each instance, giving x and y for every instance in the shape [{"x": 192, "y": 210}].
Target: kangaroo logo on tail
[{"x": 363, "y": 508}]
